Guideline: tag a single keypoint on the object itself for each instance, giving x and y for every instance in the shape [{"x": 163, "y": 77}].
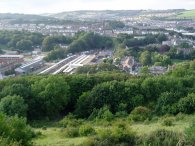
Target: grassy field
[
  {"x": 187, "y": 15},
  {"x": 53, "y": 136}
]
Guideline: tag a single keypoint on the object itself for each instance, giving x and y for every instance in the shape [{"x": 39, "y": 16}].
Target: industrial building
[
  {"x": 30, "y": 67},
  {"x": 10, "y": 59}
]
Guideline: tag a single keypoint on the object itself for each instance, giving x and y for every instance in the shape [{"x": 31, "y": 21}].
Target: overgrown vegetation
[{"x": 97, "y": 102}]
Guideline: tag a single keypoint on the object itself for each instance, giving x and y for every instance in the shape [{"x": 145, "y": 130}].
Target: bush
[
  {"x": 102, "y": 114},
  {"x": 16, "y": 129},
  {"x": 140, "y": 114},
  {"x": 13, "y": 105},
  {"x": 70, "y": 121},
  {"x": 168, "y": 121},
  {"x": 71, "y": 132},
  {"x": 44, "y": 128},
  {"x": 162, "y": 137},
  {"x": 117, "y": 136},
  {"x": 180, "y": 116},
  {"x": 187, "y": 104},
  {"x": 86, "y": 130},
  {"x": 190, "y": 133},
  {"x": 7, "y": 142}
]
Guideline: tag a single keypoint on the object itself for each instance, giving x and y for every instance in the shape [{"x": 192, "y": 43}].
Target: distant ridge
[{"x": 108, "y": 14}]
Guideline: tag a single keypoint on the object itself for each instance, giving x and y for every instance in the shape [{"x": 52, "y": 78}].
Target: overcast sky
[{"x": 54, "y": 6}]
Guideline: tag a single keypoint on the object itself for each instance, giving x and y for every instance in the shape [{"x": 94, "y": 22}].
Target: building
[
  {"x": 156, "y": 70},
  {"x": 9, "y": 59},
  {"x": 30, "y": 67},
  {"x": 9, "y": 62}
]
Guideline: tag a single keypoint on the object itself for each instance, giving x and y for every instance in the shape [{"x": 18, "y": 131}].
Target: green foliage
[
  {"x": 71, "y": 132},
  {"x": 116, "y": 24},
  {"x": 148, "y": 39},
  {"x": 145, "y": 58},
  {"x": 140, "y": 114},
  {"x": 162, "y": 137},
  {"x": 89, "y": 41},
  {"x": 167, "y": 103},
  {"x": 20, "y": 40},
  {"x": 7, "y": 142},
  {"x": 50, "y": 42},
  {"x": 16, "y": 129},
  {"x": 24, "y": 45},
  {"x": 108, "y": 93},
  {"x": 168, "y": 121},
  {"x": 57, "y": 53},
  {"x": 70, "y": 121},
  {"x": 187, "y": 104},
  {"x": 86, "y": 130},
  {"x": 105, "y": 114},
  {"x": 162, "y": 60},
  {"x": 144, "y": 70},
  {"x": 119, "y": 135},
  {"x": 13, "y": 105},
  {"x": 190, "y": 133},
  {"x": 51, "y": 95},
  {"x": 185, "y": 45}
]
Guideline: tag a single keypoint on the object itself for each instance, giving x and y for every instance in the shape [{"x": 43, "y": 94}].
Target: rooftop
[{"x": 11, "y": 56}]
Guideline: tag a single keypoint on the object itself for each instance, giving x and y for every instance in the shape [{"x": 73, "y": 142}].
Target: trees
[
  {"x": 48, "y": 43},
  {"x": 187, "y": 104},
  {"x": 57, "y": 53},
  {"x": 161, "y": 38},
  {"x": 145, "y": 58},
  {"x": 90, "y": 41},
  {"x": 25, "y": 45},
  {"x": 16, "y": 129},
  {"x": 20, "y": 40},
  {"x": 13, "y": 105},
  {"x": 51, "y": 95}
]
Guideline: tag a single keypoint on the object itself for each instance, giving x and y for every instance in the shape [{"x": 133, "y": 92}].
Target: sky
[{"x": 55, "y": 6}]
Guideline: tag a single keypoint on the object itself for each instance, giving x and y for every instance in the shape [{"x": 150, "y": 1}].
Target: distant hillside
[
  {"x": 97, "y": 15},
  {"x": 115, "y": 14},
  {"x": 187, "y": 14},
  {"x": 23, "y": 18}
]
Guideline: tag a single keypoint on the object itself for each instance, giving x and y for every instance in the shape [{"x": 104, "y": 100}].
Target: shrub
[
  {"x": 190, "y": 133},
  {"x": 70, "y": 121},
  {"x": 168, "y": 121},
  {"x": 140, "y": 114},
  {"x": 103, "y": 113},
  {"x": 117, "y": 136},
  {"x": 44, "y": 128},
  {"x": 180, "y": 116},
  {"x": 187, "y": 104},
  {"x": 13, "y": 105},
  {"x": 86, "y": 130},
  {"x": 7, "y": 142},
  {"x": 121, "y": 114},
  {"x": 71, "y": 132},
  {"x": 162, "y": 137},
  {"x": 16, "y": 129},
  {"x": 167, "y": 103}
]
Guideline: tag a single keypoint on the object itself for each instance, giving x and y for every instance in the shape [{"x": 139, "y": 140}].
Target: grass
[
  {"x": 187, "y": 14},
  {"x": 176, "y": 61},
  {"x": 53, "y": 137}
]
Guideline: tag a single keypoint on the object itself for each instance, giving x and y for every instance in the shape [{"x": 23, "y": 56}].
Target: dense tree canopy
[
  {"x": 90, "y": 41},
  {"x": 22, "y": 41},
  {"x": 13, "y": 105}
]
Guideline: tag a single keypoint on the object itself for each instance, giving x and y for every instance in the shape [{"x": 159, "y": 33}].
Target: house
[{"x": 156, "y": 70}]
